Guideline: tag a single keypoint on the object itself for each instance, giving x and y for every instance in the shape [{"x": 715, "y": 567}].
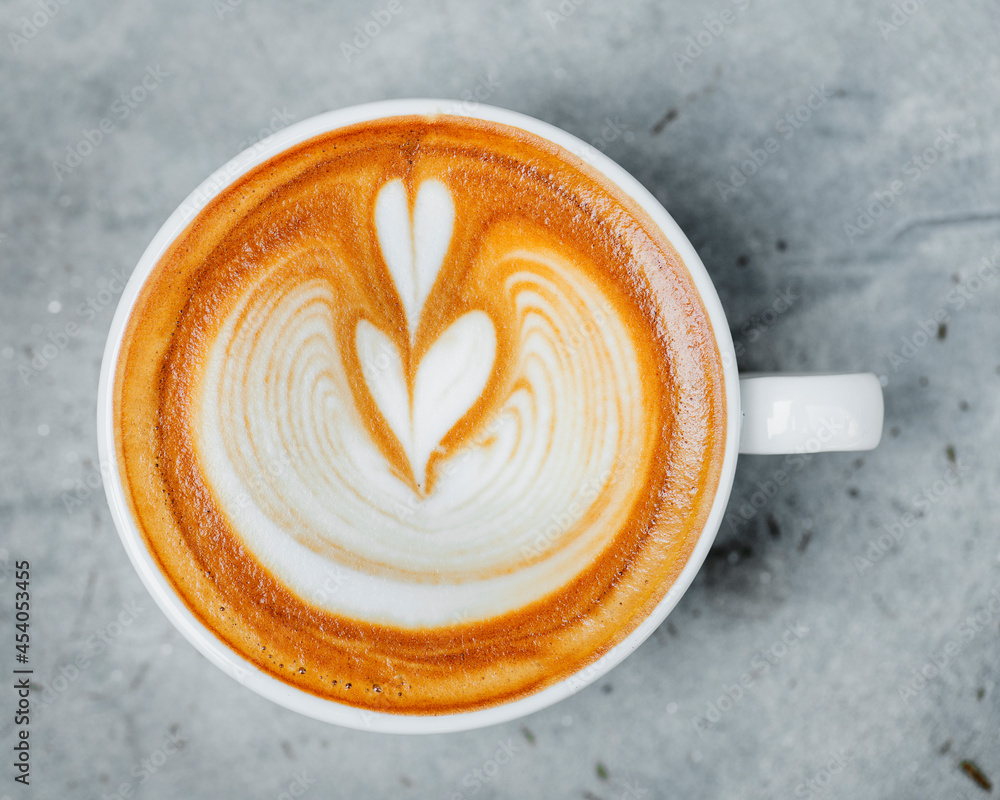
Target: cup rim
[{"x": 201, "y": 636}]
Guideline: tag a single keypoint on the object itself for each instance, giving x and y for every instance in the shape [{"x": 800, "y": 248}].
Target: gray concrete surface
[{"x": 905, "y": 109}]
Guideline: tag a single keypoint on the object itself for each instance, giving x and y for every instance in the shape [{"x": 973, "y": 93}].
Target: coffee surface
[{"x": 421, "y": 415}]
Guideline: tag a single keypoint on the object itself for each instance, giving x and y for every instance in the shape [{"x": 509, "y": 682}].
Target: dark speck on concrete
[
  {"x": 976, "y": 775},
  {"x": 665, "y": 120}
]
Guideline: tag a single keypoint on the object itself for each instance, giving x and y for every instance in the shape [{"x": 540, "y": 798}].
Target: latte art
[
  {"x": 413, "y": 545},
  {"x": 453, "y": 373},
  {"x": 421, "y": 415}
]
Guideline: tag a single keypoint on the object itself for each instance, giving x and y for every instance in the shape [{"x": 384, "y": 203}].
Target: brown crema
[{"x": 512, "y": 191}]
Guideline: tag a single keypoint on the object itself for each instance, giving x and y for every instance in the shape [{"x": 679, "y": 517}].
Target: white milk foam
[{"x": 513, "y": 516}]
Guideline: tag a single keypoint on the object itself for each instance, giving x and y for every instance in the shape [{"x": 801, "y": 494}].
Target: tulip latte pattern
[
  {"x": 413, "y": 545},
  {"x": 419, "y": 449}
]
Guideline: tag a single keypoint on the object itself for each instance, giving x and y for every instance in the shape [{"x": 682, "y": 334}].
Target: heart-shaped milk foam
[
  {"x": 414, "y": 254},
  {"x": 453, "y": 372},
  {"x": 449, "y": 379}
]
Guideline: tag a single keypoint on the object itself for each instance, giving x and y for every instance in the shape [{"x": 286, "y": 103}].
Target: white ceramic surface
[{"x": 787, "y": 413}]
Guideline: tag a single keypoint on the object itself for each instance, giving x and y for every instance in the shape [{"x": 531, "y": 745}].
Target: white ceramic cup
[{"x": 765, "y": 414}]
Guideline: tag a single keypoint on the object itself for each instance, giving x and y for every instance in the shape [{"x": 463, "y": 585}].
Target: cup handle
[{"x": 790, "y": 413}]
